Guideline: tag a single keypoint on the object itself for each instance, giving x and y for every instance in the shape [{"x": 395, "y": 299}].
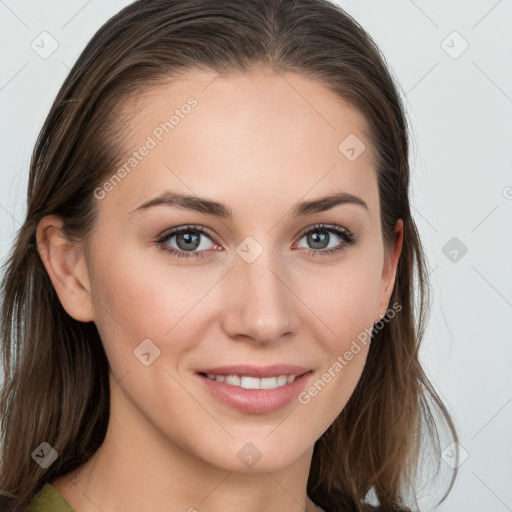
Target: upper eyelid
[{"x": 187, "y": 227}]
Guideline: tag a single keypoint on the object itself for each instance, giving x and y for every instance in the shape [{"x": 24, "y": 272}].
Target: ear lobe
[{"x": 64, "y": 261}]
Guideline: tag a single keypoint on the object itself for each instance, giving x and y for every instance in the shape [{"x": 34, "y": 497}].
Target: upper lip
[{"x": 256, "y": 371}]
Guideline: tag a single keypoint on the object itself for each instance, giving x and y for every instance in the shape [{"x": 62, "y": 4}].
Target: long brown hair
[{"x": 56, "y": 386}]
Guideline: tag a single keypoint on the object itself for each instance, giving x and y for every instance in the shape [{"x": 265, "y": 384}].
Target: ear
[
  {"x": 65, "y": 263},
  {"x": 389, "y": 270}
]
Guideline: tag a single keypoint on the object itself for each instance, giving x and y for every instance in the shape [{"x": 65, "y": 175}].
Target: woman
[{"x": 210, "y": 304}]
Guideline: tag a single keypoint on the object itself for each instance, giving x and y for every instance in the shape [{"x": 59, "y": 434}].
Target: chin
[{"x": 258, "y": 455}]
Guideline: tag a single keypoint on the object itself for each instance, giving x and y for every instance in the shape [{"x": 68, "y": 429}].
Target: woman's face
[{"x": 259, "y": 288}]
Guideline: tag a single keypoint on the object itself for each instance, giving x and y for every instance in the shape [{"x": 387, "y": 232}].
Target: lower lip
[{"x": 256, "y": 401}]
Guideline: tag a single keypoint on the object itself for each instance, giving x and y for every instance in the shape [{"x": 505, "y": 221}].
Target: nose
[{"x": 259, "y": 304}]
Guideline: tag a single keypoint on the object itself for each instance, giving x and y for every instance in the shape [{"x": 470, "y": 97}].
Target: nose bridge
[{"x": 260, "y": 303}]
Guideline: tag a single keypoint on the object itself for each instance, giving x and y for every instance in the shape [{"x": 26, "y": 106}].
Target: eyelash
[{"x": 347, "y": 237}]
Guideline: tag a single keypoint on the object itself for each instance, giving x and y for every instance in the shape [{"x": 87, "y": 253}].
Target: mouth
[{"x": 253, "y": 389}]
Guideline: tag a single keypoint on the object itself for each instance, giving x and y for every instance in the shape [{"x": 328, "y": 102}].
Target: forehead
[{"x": 251, "y": 135}]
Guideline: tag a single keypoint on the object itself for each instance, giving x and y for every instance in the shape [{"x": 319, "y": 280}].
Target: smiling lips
[{"x": 254, "y": 389}]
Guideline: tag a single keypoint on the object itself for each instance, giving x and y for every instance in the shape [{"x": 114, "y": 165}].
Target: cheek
[
  {"x": 345, "y": 301},
  {"x": 129, "y": 305},
  {"x": 344, "y": 298},
  {"x": 138, "y": 300}
]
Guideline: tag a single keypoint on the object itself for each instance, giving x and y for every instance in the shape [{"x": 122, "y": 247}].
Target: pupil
[
  {"x": 188, "y": 238},
  {"x": 317, "y": 241}
]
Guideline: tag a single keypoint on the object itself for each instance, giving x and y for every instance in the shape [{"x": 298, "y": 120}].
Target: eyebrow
[{"x": 210, "y": 207}]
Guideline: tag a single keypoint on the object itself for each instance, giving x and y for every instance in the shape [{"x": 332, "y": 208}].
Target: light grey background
[{"x": 461, "y": 115}]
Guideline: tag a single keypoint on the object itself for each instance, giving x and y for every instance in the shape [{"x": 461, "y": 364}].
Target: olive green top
[{"x": 49, "y": 499}]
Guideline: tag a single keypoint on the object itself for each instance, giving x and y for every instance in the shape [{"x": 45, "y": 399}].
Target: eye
[
  {"x": 190, "y": 242},
  {"x": 320, "y": 235}
]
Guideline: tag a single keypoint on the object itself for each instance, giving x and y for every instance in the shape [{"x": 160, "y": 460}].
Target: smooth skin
[{"x": 259, "y": 143}]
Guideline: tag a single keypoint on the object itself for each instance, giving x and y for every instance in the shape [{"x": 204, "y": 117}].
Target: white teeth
[
  {"x": 234, "y": 380},
  {"x": 247, "y": 382},
  {"x": 268, "y": 383},
  {"x": 250, "y": 382}
]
